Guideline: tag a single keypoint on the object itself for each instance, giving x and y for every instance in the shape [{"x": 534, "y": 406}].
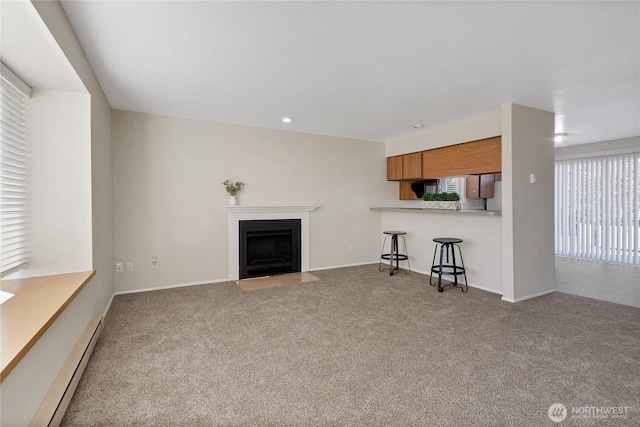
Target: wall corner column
[{"x": 527, "y": 207}]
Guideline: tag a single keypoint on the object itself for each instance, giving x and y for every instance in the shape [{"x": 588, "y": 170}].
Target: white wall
[
  {"x": 527, "y": 209},
  {"x": 526, "y": 246},
  {"x": 169, "y": 201},
  {"x": 24, "y": 388},
  {"x": 481, "y": 247},
  {"x": 470, "y": 129},
  {"x": 60, "y": 151}
]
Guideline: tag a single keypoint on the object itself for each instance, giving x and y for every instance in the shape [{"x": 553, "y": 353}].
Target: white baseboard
[
  {"x": 104, "y": 315},
  {"x": 332, "y": 267},
  {"x": 471, "y": 285},
  {"x": 539, "y": 294},
  {"x": 181, "y": 285}
]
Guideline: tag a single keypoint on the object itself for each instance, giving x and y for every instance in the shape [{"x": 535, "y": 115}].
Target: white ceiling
[{"x": 368, "y": 70}]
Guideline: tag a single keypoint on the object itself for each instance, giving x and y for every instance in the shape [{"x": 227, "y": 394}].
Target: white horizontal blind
[
  {"x": 14, "y": 207},
  {"x": 452, "y": 185},
  {"x": 597, "y": 208}
]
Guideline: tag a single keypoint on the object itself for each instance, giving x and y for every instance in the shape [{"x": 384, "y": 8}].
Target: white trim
[
  {"x": 271, "y": 208},
  {"x": 13, "y": 270},
  {"x": 106, "y": 310},
  {"x": 235, "y": 214},
  {"x": 332, "y": 267},
  {"x": 471, "y": 285},
  {"x": 180, "y": 285},
  {"x": 539, "y": 294},
  {"x": 15, "y": 81}
]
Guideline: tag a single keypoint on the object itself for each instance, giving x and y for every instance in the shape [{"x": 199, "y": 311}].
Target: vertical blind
[
  {"x": 14, "y": 212},
  {"x": 597, "y": 208}
]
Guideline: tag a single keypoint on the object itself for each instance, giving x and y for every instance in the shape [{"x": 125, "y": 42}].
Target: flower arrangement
[
  {"x": 232, "y": 188},
  {"x": 441, "y": 197}
]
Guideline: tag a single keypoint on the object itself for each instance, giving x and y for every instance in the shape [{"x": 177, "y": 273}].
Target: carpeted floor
[{"x": 357, "y": 348}]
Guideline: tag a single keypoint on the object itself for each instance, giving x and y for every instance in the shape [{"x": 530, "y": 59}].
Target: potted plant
[
  {"x": 441, "y": 201},
  {"x": 232, "y": 189}
]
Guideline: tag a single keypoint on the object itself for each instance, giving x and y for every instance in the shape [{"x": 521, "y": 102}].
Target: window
[
  {"x": 597, "y": 208},
  {"x": 453, "y": 185},
  {"x": 14, "y": 230}
]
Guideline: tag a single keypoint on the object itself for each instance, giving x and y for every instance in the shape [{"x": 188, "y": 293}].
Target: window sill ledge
[{"x": 36, "y": 304}]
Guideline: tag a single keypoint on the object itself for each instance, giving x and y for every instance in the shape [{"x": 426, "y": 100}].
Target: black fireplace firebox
[{"x": 269, "y": 247}]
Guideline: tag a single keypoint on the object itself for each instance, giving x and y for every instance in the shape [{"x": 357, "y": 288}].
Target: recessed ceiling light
[
  {"x": 286, "y": 119},
  {"x": 559, "y": 137},
  {"x": 417, "y": 126}
]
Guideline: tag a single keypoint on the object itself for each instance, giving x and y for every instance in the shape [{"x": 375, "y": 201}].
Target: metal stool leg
[
  {"x": 404, "y": 242},
  {"x": 433, "y": 264},
  {"x": 464, "y": 271},
  {"x": 455, "y": 267},
  {"x": 382, "y": 253},
  {"x": 442, "y": 247},
  {"x": 394, "y": 250}
]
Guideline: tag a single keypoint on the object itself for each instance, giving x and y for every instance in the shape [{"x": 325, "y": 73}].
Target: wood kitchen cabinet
[
  {"x": 412, "y": 166},
  {"x": 407, "y": 166},
  {"x": 406, "y": 192},
  {"x": 480, "y": 186},
  {"x": 394, "y": 168},
  {"x": 476, "y": 157}
]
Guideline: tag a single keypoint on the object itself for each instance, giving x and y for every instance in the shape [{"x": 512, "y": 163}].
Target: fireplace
[
  {"x": 269, "y": 247},
  {"x": 266, "y": 212}
]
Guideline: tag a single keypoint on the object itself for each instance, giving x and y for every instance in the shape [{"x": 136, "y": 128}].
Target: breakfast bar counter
[
  {"x": 438, "y": 211},
  {"x": 480, "y": 230}
]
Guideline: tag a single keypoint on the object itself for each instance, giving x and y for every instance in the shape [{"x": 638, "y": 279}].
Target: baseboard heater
[{"x": 57, "y": 400}]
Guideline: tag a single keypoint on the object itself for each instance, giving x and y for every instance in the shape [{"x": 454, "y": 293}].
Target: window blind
[
  {"x": 453, "y": 185},
  {"x": 597, "y": 208},
  {"x": 14, "y": 185}
]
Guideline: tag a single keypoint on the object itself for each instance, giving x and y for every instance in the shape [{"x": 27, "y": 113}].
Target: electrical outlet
[
  {"x": 119, "y": 268},
  {"x": 350, "y": 247},
  {"x": 129, "y": 267},
  {"x": 154, "y": 262}
]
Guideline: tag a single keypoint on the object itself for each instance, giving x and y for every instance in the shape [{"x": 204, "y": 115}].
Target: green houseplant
[
  {"x": 233, "y": 188},
  {"x": 441, "y": 201}
]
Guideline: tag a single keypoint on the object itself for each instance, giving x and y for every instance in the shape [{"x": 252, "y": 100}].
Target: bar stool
[
  {"x": 394, "y": 254},
  {"x": 447, "y": 245}
]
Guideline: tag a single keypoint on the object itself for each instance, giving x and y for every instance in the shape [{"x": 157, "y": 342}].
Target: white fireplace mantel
[
  {"x": 235, "y": 214},
  {"x": 271, "y": 208}
]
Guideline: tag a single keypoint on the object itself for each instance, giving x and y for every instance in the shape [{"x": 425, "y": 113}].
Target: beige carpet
[{"x": 357, "y": 348}]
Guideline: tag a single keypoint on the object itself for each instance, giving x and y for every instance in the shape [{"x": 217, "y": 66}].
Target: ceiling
[{"x": 368, "y": 70}]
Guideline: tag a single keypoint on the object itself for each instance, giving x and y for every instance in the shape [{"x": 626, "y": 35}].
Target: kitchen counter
[
  {"x": 481, "y": 232},
  {"x": 438, "y": 211}
]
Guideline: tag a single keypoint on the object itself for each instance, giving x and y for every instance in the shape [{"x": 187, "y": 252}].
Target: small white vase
[{"x": 232, "y": 201}]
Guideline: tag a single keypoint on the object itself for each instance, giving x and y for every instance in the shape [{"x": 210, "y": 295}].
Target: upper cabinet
[
  {"x": 477, "y": 157},
  {"x": 412, "y": 166},
  {"x": 394, "y": 168},
  {"x": 470, "y": 158},
  {"x": 408, "y": 166},
  {"x": 480, "y": 186}
]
